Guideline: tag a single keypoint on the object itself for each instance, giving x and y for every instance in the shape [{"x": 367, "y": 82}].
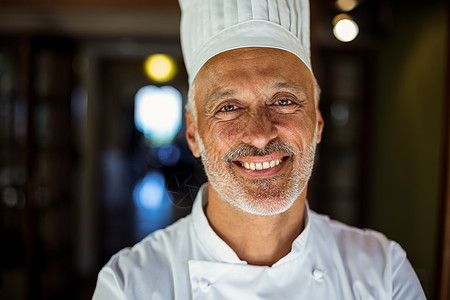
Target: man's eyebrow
[
  {"x": 216, "y": 97},
  {"x": 289, "y": 85}
]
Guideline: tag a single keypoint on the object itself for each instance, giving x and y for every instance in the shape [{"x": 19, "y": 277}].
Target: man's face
[{"x": 257, "y": 127}]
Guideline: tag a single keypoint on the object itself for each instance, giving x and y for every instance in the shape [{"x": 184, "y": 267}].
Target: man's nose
[{"x": 260, "y": 129}]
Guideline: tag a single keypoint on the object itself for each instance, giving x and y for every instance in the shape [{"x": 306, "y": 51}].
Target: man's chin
[
  {"x": 265, "y": 200},
  {"x": 264, "y": 206}
]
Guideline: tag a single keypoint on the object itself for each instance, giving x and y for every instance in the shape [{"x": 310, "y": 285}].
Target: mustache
[{"x": 244, "y": 150}]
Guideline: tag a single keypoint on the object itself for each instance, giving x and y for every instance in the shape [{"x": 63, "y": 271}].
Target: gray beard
[{"x": 268, "y": 197}]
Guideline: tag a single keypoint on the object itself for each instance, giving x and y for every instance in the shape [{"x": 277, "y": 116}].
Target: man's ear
[
  {"x": 320, "y": 125},
  {"x": 191, "y": 137}
]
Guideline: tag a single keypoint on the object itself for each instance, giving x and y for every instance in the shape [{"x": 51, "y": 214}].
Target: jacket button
[
  {"x": 318, "y": 274},
  {"x": 203, "y": 284}
]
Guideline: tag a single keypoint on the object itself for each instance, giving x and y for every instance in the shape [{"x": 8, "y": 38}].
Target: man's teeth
[{"x": 261, "y": 166}]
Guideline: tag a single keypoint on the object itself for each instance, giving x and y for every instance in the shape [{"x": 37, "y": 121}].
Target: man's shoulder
[
  {"x": 146, "y": 269},
  {"x": 352, "y": 238},
  {"x": 156, "y": 249}
]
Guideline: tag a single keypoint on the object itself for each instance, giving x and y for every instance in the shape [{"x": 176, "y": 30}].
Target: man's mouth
[{"x": 260, "y": 164}]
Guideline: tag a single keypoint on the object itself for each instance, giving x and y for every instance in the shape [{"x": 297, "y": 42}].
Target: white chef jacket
[{"x": 328, "y": 260}]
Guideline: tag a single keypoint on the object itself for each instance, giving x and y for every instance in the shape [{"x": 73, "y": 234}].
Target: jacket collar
[{"x": 218, "y": 250}]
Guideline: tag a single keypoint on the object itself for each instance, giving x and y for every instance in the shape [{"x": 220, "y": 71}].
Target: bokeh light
[
  {"x": 153, "y": 204},
  {"x": 150, "y": 192},
  {"x": 169, "y": 155},
  {"x": 346, "y": 5},
  {"x": 157, "y": 113},
  {"x": 160, "y": 67},
  {"x": 340, "y": 113},
  {"x": 345, "y": 29}
]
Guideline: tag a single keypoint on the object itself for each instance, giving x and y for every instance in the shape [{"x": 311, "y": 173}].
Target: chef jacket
[{"x": 328, "y": 260}]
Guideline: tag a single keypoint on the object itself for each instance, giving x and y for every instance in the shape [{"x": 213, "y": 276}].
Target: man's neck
[{"x": 259, "y": 240}]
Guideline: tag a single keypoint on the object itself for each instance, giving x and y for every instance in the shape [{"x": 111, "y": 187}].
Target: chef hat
[{"x": 209, "y": 27}]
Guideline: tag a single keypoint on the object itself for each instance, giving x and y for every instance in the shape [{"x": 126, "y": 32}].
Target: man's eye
[
  {"x": 283, "y": 102},
  {"x": 228, "y": 108}
]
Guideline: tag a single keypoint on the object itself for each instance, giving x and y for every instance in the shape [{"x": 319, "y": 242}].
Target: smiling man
[
  {"x": 254, "y": 120},
  {"x": 256, "y": 109}
]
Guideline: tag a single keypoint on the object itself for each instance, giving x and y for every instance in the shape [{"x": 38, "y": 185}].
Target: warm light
[
  {"x": 346, "y": 5},
  {"x": 345, "y": 30},
  {"x": 160, "y": 67},
  {"x": 157, "y": 113}
]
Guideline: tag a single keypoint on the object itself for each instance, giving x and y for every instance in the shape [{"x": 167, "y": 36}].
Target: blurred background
[{"x": 92, "y": 149}]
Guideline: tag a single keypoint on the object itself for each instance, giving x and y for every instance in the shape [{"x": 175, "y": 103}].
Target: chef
[{"x": 253, "y": 119}]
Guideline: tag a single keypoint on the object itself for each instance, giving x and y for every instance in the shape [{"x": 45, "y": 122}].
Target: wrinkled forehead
[{"x": 253, "y": 67}]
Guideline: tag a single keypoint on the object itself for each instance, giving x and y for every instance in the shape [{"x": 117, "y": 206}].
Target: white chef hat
[{"x": 209, "y": 27}]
